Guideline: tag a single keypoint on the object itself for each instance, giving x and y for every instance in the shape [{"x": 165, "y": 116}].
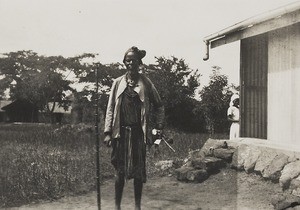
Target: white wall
[{"x": 284, "y": 85}]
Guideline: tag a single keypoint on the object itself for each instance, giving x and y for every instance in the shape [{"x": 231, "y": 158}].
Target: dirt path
[{"x": 225, "y": 190}]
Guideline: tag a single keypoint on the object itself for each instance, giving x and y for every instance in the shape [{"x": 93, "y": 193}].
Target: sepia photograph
[{"x": 153, "y": 105}]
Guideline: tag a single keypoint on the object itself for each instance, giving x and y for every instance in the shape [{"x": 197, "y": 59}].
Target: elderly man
[{"x": 126, "y": 124}]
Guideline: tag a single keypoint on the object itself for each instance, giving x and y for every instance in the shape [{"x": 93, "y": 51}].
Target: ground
[{"x": 227, "y": 189}]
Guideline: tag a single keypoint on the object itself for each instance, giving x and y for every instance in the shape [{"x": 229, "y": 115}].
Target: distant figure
[
  {"x": 233, "y": 114},
  {"x": 126, "y": 124}
]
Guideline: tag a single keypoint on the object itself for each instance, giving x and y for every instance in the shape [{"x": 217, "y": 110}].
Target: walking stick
[{"x": 97, "y": 141}]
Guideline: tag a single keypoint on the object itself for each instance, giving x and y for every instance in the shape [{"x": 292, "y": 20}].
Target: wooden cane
[{"x": 97, "y": 140}]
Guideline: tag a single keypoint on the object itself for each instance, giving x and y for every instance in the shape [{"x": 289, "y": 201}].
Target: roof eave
[{"x": 263, "y": 23}]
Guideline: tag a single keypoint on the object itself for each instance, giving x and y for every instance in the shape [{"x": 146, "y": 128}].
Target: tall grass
[{"x": 47, "y": 162}]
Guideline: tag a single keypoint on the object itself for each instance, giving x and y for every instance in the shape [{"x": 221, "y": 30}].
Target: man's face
[{"x": 132, "y": 62}]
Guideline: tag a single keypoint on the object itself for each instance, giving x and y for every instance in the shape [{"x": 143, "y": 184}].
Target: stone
[
  {"x": 265, "y": 159},
  {"x": 295, "y": 183},
  {"x": 296, "y": 192},
  {"x": 198, "y": 163},
  {"x": 273, "y": 171},
  {"x": 285, "y": 202},
  {"x": 289, "y": 172},
  {"x": 164, "y": 164},
  {"x": 250, "y": 161},
  {"x": 224, "y": 153},
  {"x": 297, "y": 207},
  {"x": 195, "y": 154},
  {"x": 213, "y": 164},
  {"x": 210, "y": 164},
  {"x": 279, "y": 202},
  {"x": 239, "y": 157},
  {"x": 197, "y": 175},
  {"x": 181, "y": 173},
  {"x": 212, "y": 144},
  {"x": 188, "y": 164},
  {"x": 177, "y": 163}
]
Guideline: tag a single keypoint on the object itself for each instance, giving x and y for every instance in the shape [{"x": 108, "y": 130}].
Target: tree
[
  {"x": 176, "y": 83},
  {"x": 83, "y": 98},
  {"x": 37, "y": 79},
  {"x": 214, "y": 102}
]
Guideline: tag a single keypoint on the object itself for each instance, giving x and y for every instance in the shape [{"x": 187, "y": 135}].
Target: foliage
[
  {"x": 83, "y": 98},
  {"x": 215, "y": 101},
  {"x": 176, "y": 83},
  {"x": 37, "y": 79},
  {"x": 41, "y": 79}
]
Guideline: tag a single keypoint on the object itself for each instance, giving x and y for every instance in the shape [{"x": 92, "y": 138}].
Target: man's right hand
[{"x": 107, "y": 140}]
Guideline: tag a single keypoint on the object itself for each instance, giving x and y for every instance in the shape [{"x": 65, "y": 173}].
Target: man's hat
[{"x": 141, "y": 53}]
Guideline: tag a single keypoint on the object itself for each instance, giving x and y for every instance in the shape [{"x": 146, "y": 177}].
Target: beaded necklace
[{"x": 131, "y": 82}]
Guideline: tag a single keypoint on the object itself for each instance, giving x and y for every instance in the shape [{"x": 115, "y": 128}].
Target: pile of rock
[
  {"x": 279, "y": 166},
  {"x": 271, "y": 163},
  {"x": 200, "y": 164},
  {"x": 262, "y": 157}
]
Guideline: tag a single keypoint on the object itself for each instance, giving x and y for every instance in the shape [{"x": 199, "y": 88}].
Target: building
[
  {"x": 269, "y": 73},
  {"x": 59, "y": 114},
  {"x": 21, "y": 111},
  {"x": 24, "y": 111},
  {"x": 3, "y": 114}
]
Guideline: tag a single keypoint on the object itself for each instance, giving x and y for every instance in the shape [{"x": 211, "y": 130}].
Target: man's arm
[{"x": 109, "y": 115}]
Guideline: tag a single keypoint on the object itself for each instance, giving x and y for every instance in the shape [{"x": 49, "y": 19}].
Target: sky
[{"x": 109, "y": 27}]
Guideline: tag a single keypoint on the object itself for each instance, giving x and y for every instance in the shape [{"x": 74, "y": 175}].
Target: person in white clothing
[{"x": 233, "y": 114}]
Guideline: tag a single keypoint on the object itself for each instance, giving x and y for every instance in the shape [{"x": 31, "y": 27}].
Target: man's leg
[
  {"x": 138, "y": 188},
  {"x": 119, "y": 186}
]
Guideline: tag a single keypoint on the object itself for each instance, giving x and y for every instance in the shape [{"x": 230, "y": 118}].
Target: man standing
[{"x": 126, "y": 124}]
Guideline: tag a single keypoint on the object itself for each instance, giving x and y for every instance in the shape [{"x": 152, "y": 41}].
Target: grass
[{"x": 39, "y": 161}]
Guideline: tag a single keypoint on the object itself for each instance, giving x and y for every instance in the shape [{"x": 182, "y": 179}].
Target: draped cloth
[{"x": 129, "y": 151}]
